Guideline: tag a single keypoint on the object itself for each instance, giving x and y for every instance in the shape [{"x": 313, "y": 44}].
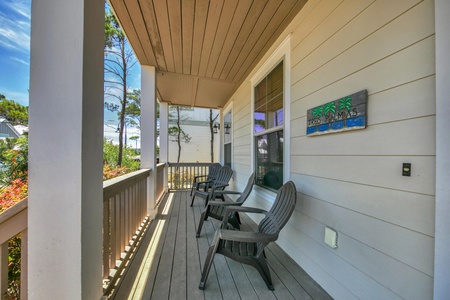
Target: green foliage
[
  {"x": 119, "y": 60},
  {"x": 110, "y": 152},
  {"x": 14, "y": 188},
  {"x": 13, "y": 159},
  {"x": 14, "y": 261},
  {"x": 113, "y": 32},
  {"x": 13, "y": 111},
  {"x": 133, "y": 108}
]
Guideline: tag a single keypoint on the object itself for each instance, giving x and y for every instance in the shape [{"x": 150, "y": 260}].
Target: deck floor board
[{"x": 169, "y": 261}]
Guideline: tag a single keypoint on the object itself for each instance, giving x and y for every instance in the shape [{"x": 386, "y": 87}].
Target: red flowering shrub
[
  {"x": 111, "y": 172},
  {"x": 10, "y": 195}
]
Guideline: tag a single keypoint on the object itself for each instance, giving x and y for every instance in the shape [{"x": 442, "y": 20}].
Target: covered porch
[
  {"x": 208, "y": 54},
  {"x": 169, "y": 261}
]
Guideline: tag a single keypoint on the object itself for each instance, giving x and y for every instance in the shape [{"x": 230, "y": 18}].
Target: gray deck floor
[{"x": 168, "y": 263}]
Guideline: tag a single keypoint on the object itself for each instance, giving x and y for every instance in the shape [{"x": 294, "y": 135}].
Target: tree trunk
[
  {"x": 179, "y": 134},
  {"x": 123, "y": 105},
  {"x": 211, "y": 129}
]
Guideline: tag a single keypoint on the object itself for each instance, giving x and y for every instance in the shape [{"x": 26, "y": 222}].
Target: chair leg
[
  {"x": 263, "y": 269},
  {"x": 200, "y": 223},
  {"x": 207, "y": 266},
  {"x": 206, "y": 200},
  {"x": 193, "y": 197}
]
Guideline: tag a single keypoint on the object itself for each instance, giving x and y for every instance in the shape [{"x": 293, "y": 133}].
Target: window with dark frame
[
  {"x": 227, "y": 139},
  {"x": 268, "y": 129}
]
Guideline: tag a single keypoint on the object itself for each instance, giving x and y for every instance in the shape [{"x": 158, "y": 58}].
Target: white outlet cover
[{"x": 330, "y": 237}]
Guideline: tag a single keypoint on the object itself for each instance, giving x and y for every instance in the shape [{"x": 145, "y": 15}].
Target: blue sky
[
  {"x": 15, "y": 18},
  {"x": 15, "y": 49}
]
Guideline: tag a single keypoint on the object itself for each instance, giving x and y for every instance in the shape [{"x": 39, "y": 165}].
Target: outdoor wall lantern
[
  {"x": 216, "y": 127},
  {"x": 227, "y": 128}
]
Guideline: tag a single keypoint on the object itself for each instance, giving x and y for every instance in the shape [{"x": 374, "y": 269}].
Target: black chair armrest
[{"x": 246, "y": 236}]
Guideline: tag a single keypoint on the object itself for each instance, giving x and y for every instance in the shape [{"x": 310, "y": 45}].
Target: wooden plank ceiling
[{"x": 202, "y": 49}]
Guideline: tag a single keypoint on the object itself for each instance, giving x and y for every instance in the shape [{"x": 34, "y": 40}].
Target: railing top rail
[
  {"x": 116, "y": 184},
  {"x": 188, "y": 164},
  {"x": 13, "y": 210}
]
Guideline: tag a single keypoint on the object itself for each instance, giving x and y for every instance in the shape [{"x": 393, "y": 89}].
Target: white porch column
[
  {"x": 163, "y": 132},
  {"x": 164, "y": 139},
  {"x": 442, "y": 224},
  {"x": 65, "y": 150},
  {"x": 148, "y": 132}
]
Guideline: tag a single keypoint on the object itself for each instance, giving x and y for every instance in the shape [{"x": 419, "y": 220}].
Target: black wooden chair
[
  {"x": 248, "y": 247},
  {"x": 216, "y": 209},
  {"x": 212, "y": 173},
  {"x": 205, "y": 188}
]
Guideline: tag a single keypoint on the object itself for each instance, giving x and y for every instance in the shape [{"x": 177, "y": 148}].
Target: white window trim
[
  {"x": 282, "y": 53},
  {"x": 228, "y": 108}
]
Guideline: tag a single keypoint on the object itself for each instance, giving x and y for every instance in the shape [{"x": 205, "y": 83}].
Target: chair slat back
[
  {"x": 213, "y": 170},
  {"x": 247, "y": 190},
  {"x": 281, "y": 210},
  {"x": 223, "y": 176}
]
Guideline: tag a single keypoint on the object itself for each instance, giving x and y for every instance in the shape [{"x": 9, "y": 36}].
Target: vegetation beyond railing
[
  {"x": 181, "y": 175},
  {"x": 124, "y": 221},
  {"x": 14, "y": 222},
  {"x": 124, "y": 218}
]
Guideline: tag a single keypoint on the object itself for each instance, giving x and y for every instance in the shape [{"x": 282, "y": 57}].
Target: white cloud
[
  {"x": 20, "y": 60},
  {"x": 15, "y": 25}
]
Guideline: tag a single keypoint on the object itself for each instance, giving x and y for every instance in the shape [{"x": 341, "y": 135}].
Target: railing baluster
[
  {"x": 106, "y": 238},
  {"x": 125, "y": 210},
  {"x": 24, "y": 265},
  {"x": 181, "y": 175},
  {"x": 3, "y": 268}
]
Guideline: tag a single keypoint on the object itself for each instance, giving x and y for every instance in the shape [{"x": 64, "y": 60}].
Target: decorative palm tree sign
[{"x": 347, "y": 113}]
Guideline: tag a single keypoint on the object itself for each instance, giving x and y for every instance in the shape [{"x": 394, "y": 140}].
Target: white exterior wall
[
  {"x": 198, "y": 149},
  {"x": 353, "y": 181}
]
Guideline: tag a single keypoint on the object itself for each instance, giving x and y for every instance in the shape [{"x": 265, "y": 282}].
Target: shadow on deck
[{"x": 169, "y": 260}]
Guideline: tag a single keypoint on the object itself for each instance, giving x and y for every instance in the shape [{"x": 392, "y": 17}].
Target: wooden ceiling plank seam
[
  {"x": 235, "y": 27},
  {"x": 201, "y": 9},
  {"x": 260, "y": 49},
  {"x": 134, "y": 9},
  {"x": 257, "y": 33},
  {"x": 226, "y": 17},
  {"x": 148, "y": 11},
  {"x": 253, "y": 16},
  {"x": 214, "y": 12},
  {"x": 123, "y": 17},
  {"x": 174, "y": 11},
  {"x": 162, "y": 18},
  {"x": 194, "y": 91},
  {"x": 187, "y": 19}
]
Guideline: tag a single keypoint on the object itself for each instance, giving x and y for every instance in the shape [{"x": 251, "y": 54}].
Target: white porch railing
[
  {"x": 181, "y": 175},
  {"x": 124, "y": 221},
  {"x": 14, "y": 222}
]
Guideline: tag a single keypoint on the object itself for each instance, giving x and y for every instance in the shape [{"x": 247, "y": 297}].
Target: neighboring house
[
  {"x": 7, "y": 130},
  {"x": 195, "y": 122}
]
